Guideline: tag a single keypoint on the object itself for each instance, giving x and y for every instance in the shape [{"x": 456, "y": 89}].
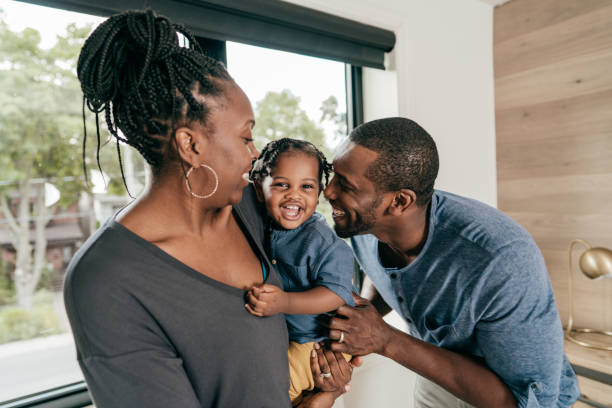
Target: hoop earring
[{"x": 189, "y": 186}]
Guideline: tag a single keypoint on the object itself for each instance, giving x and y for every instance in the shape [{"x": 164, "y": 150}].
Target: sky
[{"x": 257, "y": 70}]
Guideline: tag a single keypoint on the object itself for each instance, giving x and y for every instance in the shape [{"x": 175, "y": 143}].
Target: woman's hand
[
  {"x": 266, "y": 300},
  {"x": 330, "y": 370},
  {"x": 332, "y": 386}
]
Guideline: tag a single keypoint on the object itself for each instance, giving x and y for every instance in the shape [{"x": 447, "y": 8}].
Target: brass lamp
[{"x": 594, "y": 263}]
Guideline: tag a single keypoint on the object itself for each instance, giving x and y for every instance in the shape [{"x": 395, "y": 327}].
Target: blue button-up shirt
[
  {"x": 480, "y": 286},
  {"x": 306, "y": 257}
]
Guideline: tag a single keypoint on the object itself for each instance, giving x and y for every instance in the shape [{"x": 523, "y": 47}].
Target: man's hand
[
  {"x": 361, "y": 329},
  {"x": 266, "y": 300}
]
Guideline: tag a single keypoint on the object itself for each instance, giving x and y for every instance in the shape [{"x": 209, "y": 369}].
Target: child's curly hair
[{"x": 263, "y": 165}]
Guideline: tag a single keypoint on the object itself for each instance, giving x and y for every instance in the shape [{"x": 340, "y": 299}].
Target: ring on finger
[
  {"x": 341, "y": 339},
  {"x": 325, "y": 375}
]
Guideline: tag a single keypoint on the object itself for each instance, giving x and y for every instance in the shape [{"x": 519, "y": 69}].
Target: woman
[{"x": 156, "y": 296}]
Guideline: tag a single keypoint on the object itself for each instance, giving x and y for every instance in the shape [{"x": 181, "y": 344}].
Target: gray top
[
  {"x": 480, "y": 287},
  {"x": 306, "y": 257},
  {"x": 152, "y": 332}
]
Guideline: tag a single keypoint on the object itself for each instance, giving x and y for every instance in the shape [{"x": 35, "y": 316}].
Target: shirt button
[
  {"x": 393, "y": 275},
  {"x": 274, "y": 261},
  {"x": 400, "y": 299}
]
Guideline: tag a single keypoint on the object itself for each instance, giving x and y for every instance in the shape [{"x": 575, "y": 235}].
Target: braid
[
  {"x": 133, "y": 69},
  {"x": 265, "y": 163}
]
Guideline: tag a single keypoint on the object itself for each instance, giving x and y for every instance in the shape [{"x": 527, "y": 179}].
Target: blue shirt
[
  {"x": 306, "y": 257},
  {"x": 480, "y": 286}
]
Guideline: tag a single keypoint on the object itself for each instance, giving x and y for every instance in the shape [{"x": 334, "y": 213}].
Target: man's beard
[{"x": 362, "y": 224}]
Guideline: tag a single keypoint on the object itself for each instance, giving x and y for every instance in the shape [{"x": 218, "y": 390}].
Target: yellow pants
[{"x": 300, "y": 374}]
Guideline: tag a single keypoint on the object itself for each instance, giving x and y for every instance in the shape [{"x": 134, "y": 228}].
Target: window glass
[{"x": 46, "y": 209}]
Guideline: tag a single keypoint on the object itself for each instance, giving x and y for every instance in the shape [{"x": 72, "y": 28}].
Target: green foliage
[
  {"x": 279, "y": 115},
  {"x": 329, "y": 112},
  {"x": 47, "y": 278},
  {"x": 7, "y": 288},
  {"x": 22, "y": 324},
  {"x": 41, "y": 124},
  {"x": 40, "y": 118}
]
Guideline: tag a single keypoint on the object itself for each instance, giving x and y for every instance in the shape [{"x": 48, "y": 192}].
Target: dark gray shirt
[{"x": 152, "y": 332}]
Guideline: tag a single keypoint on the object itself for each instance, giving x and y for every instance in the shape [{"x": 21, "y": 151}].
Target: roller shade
[{"x": 266, "y": 23}]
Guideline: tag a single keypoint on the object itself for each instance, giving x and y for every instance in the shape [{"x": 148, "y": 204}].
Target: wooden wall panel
[
  {"x": 553, "y": 92},
  {"x": 580, "y": 35},
  {"x": 574, "y": 117},
  {"x": 567, "y": 155},
  {"x": 557, "y": 195},
  {"x": 581, "y": 75},
  {"x": 520, "y": 17}
]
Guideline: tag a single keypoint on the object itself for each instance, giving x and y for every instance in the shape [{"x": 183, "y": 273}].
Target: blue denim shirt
[
  {"x": 480, "y": 286},
  {"x": 306, "y": 257}
]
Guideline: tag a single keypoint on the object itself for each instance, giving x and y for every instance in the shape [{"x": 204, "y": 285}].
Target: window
[
  {"x": 46, "y": 210},
  {"x": 43, "y": 194}
]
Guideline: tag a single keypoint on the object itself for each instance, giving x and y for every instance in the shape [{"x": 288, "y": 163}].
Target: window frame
[
  {"x": 265, "y": 23},
  {"x": 73, "y": 395}
]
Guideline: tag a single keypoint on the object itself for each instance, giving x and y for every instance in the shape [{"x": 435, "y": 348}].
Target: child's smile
[{"x": 291, "y": 192}]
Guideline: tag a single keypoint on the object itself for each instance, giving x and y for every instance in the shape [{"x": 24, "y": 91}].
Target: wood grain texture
[
  {"x": 599, "y": 360},
  {"x": 572, "y": 117},
  {"x": 568, "y": 78},
  {"x": 579, "y": 35},
  {"x": 553, "y": 93},
  {"x": 554, "y": 231},
  {"x": 519, "y": 17},
  {"x": 589, "y": 154},
  {"x": 570, "y": 194},
  {"x": 596, "y": 391}
]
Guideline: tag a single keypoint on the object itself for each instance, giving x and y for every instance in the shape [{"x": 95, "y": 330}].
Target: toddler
[{"x": 315, "y": 266}]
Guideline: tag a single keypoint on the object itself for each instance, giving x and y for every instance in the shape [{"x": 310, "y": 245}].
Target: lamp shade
[{"x": 596, "y": 263}]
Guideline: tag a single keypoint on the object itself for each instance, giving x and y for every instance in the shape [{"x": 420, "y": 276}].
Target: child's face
[{"x": 291, "y": 192}]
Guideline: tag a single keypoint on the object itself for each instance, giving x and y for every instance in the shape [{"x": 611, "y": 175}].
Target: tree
[
  {"x": 329, "y": 112},
  {"x": 279, "y": 115},
  {"x": 40, "y": 138}
]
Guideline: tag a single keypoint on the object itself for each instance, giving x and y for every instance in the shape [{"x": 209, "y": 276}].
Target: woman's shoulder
[
  {"x": 252, "y": 212},
  {"x": 103, "y": 255}
]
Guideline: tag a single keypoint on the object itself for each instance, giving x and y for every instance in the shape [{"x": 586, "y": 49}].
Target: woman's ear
[
  {"x": 403, "y": 200},
  {"x": 189, "y": 145},
  {"x": 258, "y": 190}
]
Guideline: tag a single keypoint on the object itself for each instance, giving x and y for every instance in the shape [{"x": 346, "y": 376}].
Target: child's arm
[{"x": 268, "y": 300}]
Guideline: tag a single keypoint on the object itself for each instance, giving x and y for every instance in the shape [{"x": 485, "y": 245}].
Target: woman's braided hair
[
  {"x": 133, "y": 69},
  {"x": 265, "y": 163}
]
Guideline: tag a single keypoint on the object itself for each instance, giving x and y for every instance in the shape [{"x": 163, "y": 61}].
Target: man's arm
[{"x": 366, "y": 332}]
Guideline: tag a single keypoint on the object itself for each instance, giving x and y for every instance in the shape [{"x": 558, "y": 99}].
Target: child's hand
[{"x": 266, "y": 300}]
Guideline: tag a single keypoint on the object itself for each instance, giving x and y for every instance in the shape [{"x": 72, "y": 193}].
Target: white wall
[{"x": 440, "y": 74}]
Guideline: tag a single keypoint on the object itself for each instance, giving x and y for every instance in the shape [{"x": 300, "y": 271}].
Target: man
[{"x": 469, "y": 281}]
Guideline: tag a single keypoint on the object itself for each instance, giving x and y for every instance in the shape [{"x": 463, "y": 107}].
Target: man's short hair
[{"x": 408, "y": 157}]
